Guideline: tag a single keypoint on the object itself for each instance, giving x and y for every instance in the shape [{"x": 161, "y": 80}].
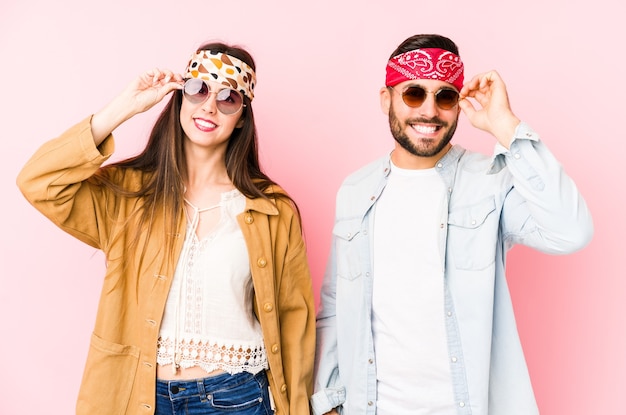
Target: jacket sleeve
[
  {"x": 54, "y": 181},
  {"x": 544, "y": 210},
  {"x": 329, "y": 392},
  {"x": 297, "y": 321}
]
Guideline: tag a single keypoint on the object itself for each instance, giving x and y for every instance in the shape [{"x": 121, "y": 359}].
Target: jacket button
[
  {"x": 261, "y": 262},
  {"x": 249, "y": 219},
  {"x": 275, "y": 348},
  {"x": 268, "y": 307},
  {"x": 283, "y": 388}
]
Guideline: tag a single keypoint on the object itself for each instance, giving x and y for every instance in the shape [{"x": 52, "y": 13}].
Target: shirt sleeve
[
  {"x": 329, "y": 392},
  {"x": 544, "y": 209}
]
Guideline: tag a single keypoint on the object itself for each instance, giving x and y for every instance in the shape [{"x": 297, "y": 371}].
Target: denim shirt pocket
[
  {"x": 472, "y": 235},
  {"x": 348, "y": 239}
]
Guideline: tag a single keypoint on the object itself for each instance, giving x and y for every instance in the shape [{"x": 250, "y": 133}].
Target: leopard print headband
[{"x": 225, "y": 69}]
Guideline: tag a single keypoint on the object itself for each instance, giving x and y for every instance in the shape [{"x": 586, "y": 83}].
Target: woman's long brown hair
[{"x": 164, "y": 165}]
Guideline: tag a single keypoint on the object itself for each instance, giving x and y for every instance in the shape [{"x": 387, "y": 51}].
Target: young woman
[{"x": 207, "y": 296}]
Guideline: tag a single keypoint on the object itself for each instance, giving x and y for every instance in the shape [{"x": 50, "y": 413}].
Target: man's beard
[{"x": 397, "y": 130}]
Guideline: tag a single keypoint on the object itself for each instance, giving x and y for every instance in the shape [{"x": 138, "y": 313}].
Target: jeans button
[{"x": 174, "y": 389}]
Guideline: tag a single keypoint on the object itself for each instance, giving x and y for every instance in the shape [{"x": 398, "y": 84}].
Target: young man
[{"x": 415, "y": 314}]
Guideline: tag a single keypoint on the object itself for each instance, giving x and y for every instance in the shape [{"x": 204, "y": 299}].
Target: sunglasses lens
[
  {"x": 414, "y": 96},
  {"x": 446, "y": 98},
  {"x": 196, "y": 90},
  {"x": 229, "y": 101}
]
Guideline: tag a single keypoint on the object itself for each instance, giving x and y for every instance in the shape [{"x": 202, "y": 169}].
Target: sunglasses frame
[
  {"x": 426, "y": 92},
  {"x": 210, "y": 92}
]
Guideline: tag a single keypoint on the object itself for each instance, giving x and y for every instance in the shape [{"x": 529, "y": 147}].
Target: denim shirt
[{"x": 517, "y": 196}]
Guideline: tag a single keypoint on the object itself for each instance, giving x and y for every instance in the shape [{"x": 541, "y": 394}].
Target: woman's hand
[
  {"x": 147, "y": 90},
  {"x": 495, "y": 116}
]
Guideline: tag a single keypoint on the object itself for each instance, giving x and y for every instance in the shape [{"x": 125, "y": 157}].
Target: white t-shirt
[{"x": 413, "y": 371}]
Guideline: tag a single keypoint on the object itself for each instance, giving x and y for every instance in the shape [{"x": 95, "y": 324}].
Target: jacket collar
[
  {"x": 265, "y": 206},
  {"x": 449, "y": 159}
]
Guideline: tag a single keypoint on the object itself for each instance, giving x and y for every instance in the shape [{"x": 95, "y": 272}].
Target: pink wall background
[{"x": 320, "y": 65}]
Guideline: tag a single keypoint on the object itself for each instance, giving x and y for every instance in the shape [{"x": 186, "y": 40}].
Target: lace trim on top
[
  {"x": 205, "y": 322},
  {"x": 232, "y": 358}
]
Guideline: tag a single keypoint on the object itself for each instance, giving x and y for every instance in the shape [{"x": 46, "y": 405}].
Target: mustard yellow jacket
[{"x": 120, "y": 371}]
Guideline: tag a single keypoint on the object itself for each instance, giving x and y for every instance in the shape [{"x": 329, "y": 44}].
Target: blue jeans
[{"x": 239, "y": 394}]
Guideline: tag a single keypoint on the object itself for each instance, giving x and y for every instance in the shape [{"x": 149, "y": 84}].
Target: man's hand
[{"x": 495, "y": 115}]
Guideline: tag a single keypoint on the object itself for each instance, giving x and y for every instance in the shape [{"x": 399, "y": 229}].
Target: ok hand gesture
[
  {"x": 150, "y": 88},
  {"x": 140, "y": 95},
  {"x": 495, "y": 115}
]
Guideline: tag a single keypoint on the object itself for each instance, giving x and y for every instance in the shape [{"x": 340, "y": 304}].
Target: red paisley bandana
[{"x": 428, "y": 63}]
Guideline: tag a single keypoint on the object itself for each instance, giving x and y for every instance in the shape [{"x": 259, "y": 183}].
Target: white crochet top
[{"x": 206, "y": 322}]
